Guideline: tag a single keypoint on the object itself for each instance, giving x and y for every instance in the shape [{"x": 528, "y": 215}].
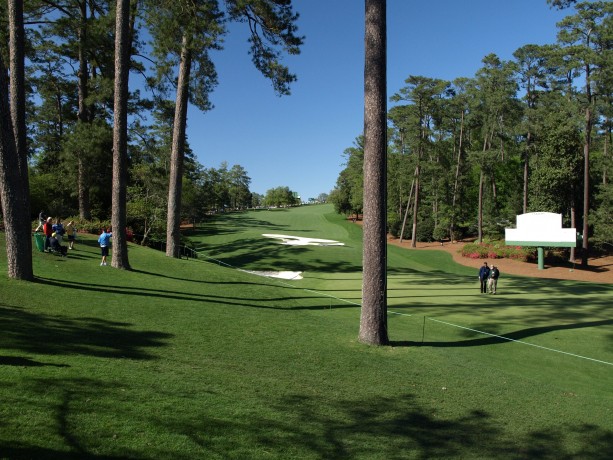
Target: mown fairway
[{"x": 188, "y": 359}]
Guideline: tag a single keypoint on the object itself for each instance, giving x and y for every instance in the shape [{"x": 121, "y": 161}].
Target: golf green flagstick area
[{"x": 184, "y": 359}]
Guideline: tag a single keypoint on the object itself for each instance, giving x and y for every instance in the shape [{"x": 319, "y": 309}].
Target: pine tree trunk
[
  {"x": 526, "y": 171},
  {"x": 120, "y": 135},
  {"x": 13, "y": 156},
  {"x": 486, "y": 145},
  {"x": 83, "y": 190},
  {"x": 586, "y": 187},
  {"x": 173, "y": 236},
  {"x": 480, "y": 218},
  {"x": 415, "y": 208},
  {"x": 573, "y": 223},
  {"x": 456, "y": 180},
  {"x": 82, "y": 114},
  {"x": 605, "y": 153},
  {"x": 18, "y": 94},
  {"x": 373, "y": 318},
  {"x": 408, "y": 208}
]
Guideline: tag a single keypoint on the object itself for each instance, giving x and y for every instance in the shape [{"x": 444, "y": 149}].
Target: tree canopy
[{"x": 529, "y": 134}]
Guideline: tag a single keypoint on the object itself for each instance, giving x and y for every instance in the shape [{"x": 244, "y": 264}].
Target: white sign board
[{"x": 540, "y": 229}]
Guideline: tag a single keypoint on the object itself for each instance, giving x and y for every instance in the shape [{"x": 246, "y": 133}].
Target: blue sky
[{"x": 298, "y": 140}]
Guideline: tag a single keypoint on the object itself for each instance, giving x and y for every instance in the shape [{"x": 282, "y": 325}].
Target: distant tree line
[
  {"x": 531, "y": 134},
  {"x": 94, "y": 99}
]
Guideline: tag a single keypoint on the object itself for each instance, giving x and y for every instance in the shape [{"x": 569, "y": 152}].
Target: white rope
[
  {"x": 275, "y": 281},
  {"x": 398, "y": 313},
  {"x": 281, "y": 283},
  {"x": 522, "y": 342}
]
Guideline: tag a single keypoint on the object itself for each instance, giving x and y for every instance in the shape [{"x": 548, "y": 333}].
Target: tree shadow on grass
[
  {"x": 31, "y": 332},
  {"x": 266, "y": 254},
  {"x": 391, "y": 428},
  {"x": 25, "y": 362},
  {"x": 231, "y": 224},
  {"x": 58, "y": 400},
  {"x": 301, "y": 426},
  {"x": 24, "y": 452},
  {"x": 261, "y": 299},
  {"x": 503, "y": 337}
]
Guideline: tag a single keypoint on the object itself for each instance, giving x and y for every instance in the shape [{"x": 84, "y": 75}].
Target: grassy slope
[{"x": 190, "y": 359}]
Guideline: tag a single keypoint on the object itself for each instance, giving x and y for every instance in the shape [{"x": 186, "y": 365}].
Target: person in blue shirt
[
  {"x": 58, "y": 229},
  {"x": 104, "y": 240},
  {"x": 484, "y": 273}
]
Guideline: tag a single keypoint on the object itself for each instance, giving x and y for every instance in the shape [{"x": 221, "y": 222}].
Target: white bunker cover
[
  {"x": 303, "y": 241},
  {"x": 294, "y": 241}
]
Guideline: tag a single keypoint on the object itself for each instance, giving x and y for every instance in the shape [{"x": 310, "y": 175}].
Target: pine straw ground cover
[{"x": 188, "y": 359}]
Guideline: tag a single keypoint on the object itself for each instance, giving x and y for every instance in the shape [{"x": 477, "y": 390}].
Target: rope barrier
[
  {"x": 519, "y": 341},
  {"x": 279, "y": 282},
  {"x": 323, "y": 294}
]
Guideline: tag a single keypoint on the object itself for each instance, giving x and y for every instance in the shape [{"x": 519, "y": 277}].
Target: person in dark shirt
[
  {"x": 484, "y": 273},
  {"x": 492, "y": 281},
  {"x": 55, "y": 245}
]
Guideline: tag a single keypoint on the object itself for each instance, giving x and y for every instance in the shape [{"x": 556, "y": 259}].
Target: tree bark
[
  {"x": 13, "y": 154},
  {"x": 586, "y": 187},
  {"x": 573, "y": 222},
  {"x": 408, "y": 208},
  {"x": 526, "y": 171},
  {"x": 456, "y": 180},
  {"x": 120, "y": 135},
  {"x": 17, "y": 90},
  {"x": 415, "y": 208},
  {"x": 83, "y": 190},
  {"x": 480, "y": 217},
  {"x": 585, "y": 249},
  {"x": 373, "y": 318},
  {"x": 173, "y": 235},
  {"x": 82, "y": 113}
]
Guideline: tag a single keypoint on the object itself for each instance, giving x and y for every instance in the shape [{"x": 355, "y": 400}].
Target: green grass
[{"x": 186, "y": 359}]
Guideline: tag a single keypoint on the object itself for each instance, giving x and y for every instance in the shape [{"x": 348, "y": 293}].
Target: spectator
[
  {"x": 55, "y": 245},
  {"x": 48, "y": 231},
  {"x": 71, "y": 234},
  {"x": 58, "y": 228},
  {"x": 484, "y": 273},
  {"x": 41, "y": 220},
  {"x": 104, "y": 241},
  {"x": 492, "y": 282}
]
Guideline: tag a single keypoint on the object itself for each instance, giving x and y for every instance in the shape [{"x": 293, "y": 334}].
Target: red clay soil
[{"x": 599, "y": 269}]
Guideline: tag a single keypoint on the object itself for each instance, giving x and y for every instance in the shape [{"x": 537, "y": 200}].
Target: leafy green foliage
[
  {"x": 603, "y": 221},
  {"x": 280, "y": 197},
  {"x": 509, "y": 140},
  {"x": 272, "y": 25}
]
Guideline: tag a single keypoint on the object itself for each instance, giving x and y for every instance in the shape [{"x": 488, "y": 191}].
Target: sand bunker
[
  {"x": 293, "y": 241},
  {"x": 282, "y": 275},
  {"x": 301, "y": 241}
]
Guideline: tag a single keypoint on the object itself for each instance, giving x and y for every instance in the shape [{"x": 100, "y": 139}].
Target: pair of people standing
[{"x": 488, "y": 278}]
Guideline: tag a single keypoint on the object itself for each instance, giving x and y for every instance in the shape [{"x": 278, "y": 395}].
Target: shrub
[
  {"x": 440, "y": 233},
  {"x": 425, "y": 230},
  {"x": 497, "y": 250}
]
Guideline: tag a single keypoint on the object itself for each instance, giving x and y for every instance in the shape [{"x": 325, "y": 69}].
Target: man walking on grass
[
  {"x": 484, "y": 273},
  {"x": 493, "y": 280}
]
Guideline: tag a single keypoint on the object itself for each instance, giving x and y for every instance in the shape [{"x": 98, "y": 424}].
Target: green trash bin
[{"x": 39, "y": 239}]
